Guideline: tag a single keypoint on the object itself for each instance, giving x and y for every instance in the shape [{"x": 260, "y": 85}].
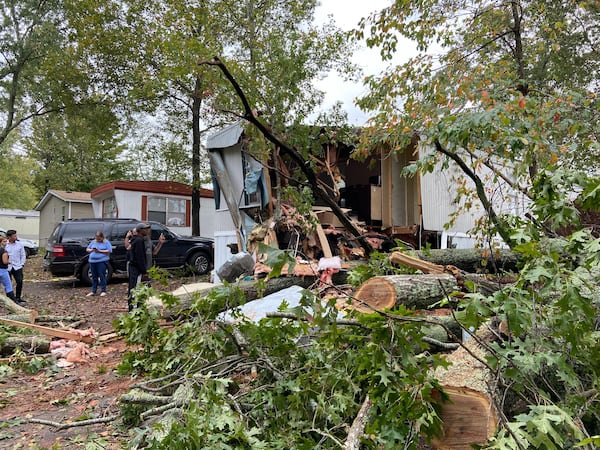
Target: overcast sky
[{"x": 347, "y": 14}]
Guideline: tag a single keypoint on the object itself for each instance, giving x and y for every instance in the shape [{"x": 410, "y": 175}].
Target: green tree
[
  {"x": 158, "y": 151},
  {"x": 506, "y": 91},
  {"x": 18, "y": 190},
  {"x": 39, "y": 73},
  {"x": 507, "y": 86},
  {"x": 156, "y": 49},
  {"x": 77, "y": 150}
]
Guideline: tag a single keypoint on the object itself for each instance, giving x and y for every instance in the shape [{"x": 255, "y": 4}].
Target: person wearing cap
[
  {"x": 18, "y": 257},
  {"x": 151, "y": 250},
  {"x": 138, "y": 270}
]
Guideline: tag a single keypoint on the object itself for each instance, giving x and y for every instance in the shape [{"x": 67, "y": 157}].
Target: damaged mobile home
[{"x": 374, "y": 195}]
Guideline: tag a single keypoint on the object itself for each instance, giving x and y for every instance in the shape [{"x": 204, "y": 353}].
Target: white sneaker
[
  {"x": 102, "y": 294},
  {"x": 90, "y": 294}
]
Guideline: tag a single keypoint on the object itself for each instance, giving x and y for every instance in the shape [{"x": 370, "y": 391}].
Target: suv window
[
  {"x": 156, "y": 230},
  {"x": 78, "y": 232},
  {"x": 120, "y": 231}
]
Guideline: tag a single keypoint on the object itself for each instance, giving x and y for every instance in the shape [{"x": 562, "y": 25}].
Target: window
[
  {"x": 109, "y": 208},
  {"x": 252, "y": 173},
  {"x": 168, "y": 211}
]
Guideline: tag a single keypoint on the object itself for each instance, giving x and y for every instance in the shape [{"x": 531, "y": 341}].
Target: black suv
[{"x": 66, "y": 248}]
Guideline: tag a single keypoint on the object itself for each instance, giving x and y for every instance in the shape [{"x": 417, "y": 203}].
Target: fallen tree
[
  {"x": 473, "y": 260},
  {"x": 412, "y": 291},
  {"x": 28, "y": 344}
]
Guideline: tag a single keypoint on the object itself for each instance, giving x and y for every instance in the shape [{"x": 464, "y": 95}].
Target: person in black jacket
[{"x": 138, "y": 271}]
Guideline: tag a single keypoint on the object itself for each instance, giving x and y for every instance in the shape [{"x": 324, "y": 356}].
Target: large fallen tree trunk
[
  {"x": 14, "y": 308},
  {"x": 412, "y": 291},
  {"x": 478, "y": 282},
  {"x": 469, "y": 417},
  {"x": 473, "y": 260},
  {"x": 251, "y": 291}
]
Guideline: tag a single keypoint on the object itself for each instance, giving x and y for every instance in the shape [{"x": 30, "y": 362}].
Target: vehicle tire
[
  {"x": 199, "y": 262},
  {"x": 86, "y": 274},
  {"x": 27, "y": 252}
]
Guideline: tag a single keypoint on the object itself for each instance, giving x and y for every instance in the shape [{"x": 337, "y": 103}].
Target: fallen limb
[
  {"x": 28, "y": 344},
  {"x": 478, "y": 283},
  {"x": 80, "y": 423},
  {"x": 14, "y": 308},
  {"x": 357, "y": 430},
  {"x": 470, "y": 416},
  {"x": 42, "y": 318}
]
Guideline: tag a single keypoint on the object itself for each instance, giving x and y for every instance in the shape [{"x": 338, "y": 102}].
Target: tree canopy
[
  {"x": 508, "y": 86},
  {"x": 150, "y": 53}
]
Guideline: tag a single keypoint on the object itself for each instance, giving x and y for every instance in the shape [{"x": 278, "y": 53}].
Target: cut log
[
  {"x": 469, "y": 417},
  {"x": 479, "y": 282},
  {"x": 28, "y": 344},
  {"x": 473, "y": 260},
  {"x": 412, "y": 291}
]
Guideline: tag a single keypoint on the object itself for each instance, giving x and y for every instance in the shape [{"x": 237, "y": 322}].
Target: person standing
[
  {"x": 4, "y": 275},
  {"x": 17, "y": 257},
  {"x": 138, "y": 270},
  {"x": 99, "y": 249}
]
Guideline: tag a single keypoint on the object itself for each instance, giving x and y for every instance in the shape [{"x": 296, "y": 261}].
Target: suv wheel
[
  {"x": 199, "y": 262},
  {"x": 86, "y": 273}
]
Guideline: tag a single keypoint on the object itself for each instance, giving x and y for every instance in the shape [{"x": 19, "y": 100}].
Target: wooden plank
[
  {"x": 50, "y": 331},
  {"x": 324, "y": 242}
]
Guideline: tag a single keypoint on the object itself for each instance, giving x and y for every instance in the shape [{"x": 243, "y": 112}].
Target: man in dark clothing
[{"x": 137, "y": 262}]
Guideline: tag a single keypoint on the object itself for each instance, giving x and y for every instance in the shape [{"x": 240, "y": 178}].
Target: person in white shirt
[{"x": 17, "y": 258}]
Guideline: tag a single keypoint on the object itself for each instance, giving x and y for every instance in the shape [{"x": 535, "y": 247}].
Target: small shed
[
  {"x": 166, "y": 202},
  {"x": 56, "y": 206}
]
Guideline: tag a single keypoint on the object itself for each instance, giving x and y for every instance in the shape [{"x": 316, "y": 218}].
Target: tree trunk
[
  {"x": 196, "y": 149},
  {"x": 412, "y": 291},
  {"x": 480, "y": 283},
  {"x": 187, "y": 294},
  {"x": 14, "y": 308},
  {"x": 28, "y": 344},
  {"x": 472, "y": 260},
  {"x": 469, "y": 417}
]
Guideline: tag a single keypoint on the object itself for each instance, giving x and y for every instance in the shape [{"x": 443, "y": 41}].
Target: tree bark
[
  {"x": 250, "y": 289},
  {"x": 357, "y": 430},
  {"x": 412, "y": 291},
  {"x": 480, "y": 283},
  {"x": 472, "y": 260},
  {"x": 14, "y": 308},
  {"x": 28, "y": 344}
]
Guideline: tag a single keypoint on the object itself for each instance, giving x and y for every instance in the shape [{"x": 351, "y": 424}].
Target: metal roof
[{"x": 226, "y": 137}]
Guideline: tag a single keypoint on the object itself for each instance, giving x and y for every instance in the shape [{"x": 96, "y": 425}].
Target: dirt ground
[{"x": 85, "y": 390}]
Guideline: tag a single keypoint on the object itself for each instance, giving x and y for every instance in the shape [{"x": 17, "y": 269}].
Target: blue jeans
[
  {"x": 5, "y": 280},
  {"x": 98, "y": 270}
]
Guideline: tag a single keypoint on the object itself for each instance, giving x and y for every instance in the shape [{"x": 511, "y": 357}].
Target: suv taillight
[{"x": 58, "y": 250}]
